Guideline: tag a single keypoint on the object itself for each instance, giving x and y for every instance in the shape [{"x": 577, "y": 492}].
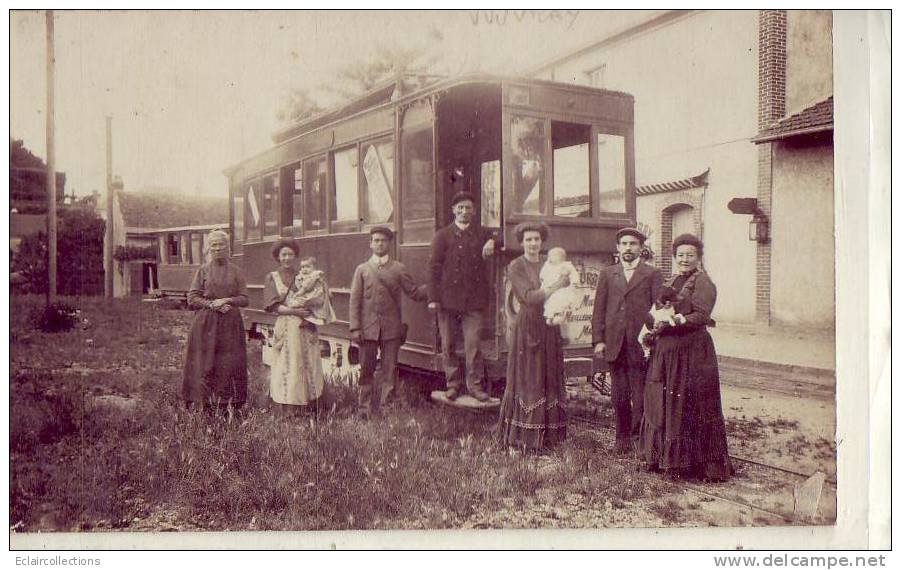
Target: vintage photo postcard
[{"x": 569, "y": 271}]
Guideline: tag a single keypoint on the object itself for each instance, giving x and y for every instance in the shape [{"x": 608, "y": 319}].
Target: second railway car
[{"x": 526, "y": 149}]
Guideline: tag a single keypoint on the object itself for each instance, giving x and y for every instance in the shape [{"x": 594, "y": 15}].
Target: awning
[{"x": 698, "y": 181}]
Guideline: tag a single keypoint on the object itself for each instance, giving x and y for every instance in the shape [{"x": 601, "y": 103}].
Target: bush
[
  {"x": 79, "y": 263},
  {"x": 57, "y": 317}
]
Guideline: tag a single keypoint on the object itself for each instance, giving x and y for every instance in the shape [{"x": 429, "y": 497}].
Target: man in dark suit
[
  {"x": 625, "y": 294},
  {"x": 459, "y": 290},
  {"x": 375, "y": 317}
]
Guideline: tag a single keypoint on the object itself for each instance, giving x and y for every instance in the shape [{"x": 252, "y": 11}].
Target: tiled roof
[
  {"x": 140, "y": 210},
  {"x": 674, "y": 186},
  {"x": 813, "y": 119}
]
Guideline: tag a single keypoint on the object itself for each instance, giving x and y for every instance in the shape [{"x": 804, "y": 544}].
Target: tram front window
[
  {"x": 572, "y": 189},
  {"x": 529, "y": 164},
  {"x": 612, "y": 172}
]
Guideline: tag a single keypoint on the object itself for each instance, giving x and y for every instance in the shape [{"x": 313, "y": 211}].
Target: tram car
[
  {"x": 526, "y": 149},
  {"x": 181, "y": 255}
]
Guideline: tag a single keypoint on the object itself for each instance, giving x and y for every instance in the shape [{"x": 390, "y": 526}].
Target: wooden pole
[
  {"x": 108, "y": 249},
  {"x": 51, "y": 167}
]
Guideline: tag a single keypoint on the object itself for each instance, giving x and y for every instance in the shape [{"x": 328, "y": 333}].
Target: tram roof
[{"x": 384, "y": 94}]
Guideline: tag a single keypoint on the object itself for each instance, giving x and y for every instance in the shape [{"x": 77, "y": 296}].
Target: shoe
[
  {"x": 452, "y": 394},
  {"x": 480, "y": 395}
]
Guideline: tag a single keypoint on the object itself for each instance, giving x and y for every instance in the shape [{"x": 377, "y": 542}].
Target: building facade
[{"x": 715, "y": 93}]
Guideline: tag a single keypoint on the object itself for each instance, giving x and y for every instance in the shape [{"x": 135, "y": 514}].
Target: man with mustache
[
  {"x": 459, "y": 290},
  {"x": 625, "y": 293}
]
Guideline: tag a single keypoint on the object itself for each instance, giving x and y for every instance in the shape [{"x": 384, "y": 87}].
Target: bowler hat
[
  {"x": 384, "y": 230},
  {"x": 460, "y": 197},
  {"x": 631, "y": 232}
]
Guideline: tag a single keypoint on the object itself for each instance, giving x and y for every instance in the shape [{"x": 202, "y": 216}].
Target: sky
[{"x": 193, "y": 92}]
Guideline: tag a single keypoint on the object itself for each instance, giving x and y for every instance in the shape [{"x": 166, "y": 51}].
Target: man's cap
[
  {"x": 385, "y": 231},
  {"x": 460, "y": 197},
  {"x": 631, "y": 232}
]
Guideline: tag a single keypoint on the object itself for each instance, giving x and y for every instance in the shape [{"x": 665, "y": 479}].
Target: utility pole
[
  {"x": 108, "y": 250},
  {"x": 51, "y": 167}
]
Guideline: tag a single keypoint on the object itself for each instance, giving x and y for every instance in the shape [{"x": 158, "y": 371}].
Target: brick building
[{"x": 731, "y": 104}]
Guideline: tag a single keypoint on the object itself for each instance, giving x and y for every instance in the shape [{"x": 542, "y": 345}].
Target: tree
[
  {"x": 28, "y": 180},
  {"x": 298, "y": 105},
  {"x": 80, "y": 255},
  {"x": 413, "y": 66}
]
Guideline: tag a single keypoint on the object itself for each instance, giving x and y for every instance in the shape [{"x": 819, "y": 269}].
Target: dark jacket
[
  {"x": 621, "y": 307},
  {"x": 375, "y": 295},
  {"x": 459, "y": 276}
]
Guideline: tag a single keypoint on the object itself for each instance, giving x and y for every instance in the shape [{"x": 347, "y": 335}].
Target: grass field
[{"x": 100, "y": 440}]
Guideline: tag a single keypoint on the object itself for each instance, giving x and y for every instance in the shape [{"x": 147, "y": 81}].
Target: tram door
[{"x": 468, "y": 159}]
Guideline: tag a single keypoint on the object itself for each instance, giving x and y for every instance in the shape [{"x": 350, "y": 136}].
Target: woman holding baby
[
  {"x": 533, "y": 413},
  {"x": 683, "y": 431},
  {"x": 299, "y": 296}
]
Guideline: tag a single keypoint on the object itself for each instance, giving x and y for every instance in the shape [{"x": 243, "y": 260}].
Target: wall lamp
[{"x": 759, "y": 226}]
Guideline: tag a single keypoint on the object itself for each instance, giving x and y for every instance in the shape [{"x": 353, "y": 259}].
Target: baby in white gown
[{"x": 562, "y": 300}]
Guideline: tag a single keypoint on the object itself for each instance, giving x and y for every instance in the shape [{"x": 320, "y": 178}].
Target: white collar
[
  {"x": 462, "y": 228},
  {"x": 380, "y": 261},
  {"x": 631, "y": 266}
]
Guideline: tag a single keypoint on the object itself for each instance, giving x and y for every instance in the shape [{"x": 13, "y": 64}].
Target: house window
[
  {"x": 316, "y": 186},
  {"x": 528, "y": 138},
  {"x": 612, "y": 173},
  {"x": 572, "y": 189},
  {"x": 345, "y": 201},
  {"x": 378, "y": 182},
  {"x": 270, "y": 205}
]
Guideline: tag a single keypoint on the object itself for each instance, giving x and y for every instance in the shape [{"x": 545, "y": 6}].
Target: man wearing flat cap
[
  {"x": 459, "y": 290},
  {"x": 376, "y": 323},
  {"x": 625, "y": 294}
]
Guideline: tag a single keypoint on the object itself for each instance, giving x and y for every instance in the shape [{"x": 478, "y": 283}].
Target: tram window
[
  {"x": 297, "y": 198},
  {"x": 529, "y": 162},
  {"x": 316, "y": 185},
  {"x": 491, "y": 194},
  {"x": 419, "y": 184},
  {"x": 172, "y": 241},
  {"x": 270, "y": 205},
  {"x": 252, "y": 219},
  {"x": 378, "y": 182},
  {"x": 572, "y": 189},
  {"x": 238, "y": 216},
  {"x": 345, "y": 200},
  {"x": 183, "y": 246},
  {"x": 196, "y": 248},
  {"x": 612, "y": 172}
]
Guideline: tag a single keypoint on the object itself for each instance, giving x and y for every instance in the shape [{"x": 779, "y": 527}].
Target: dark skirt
[
  {"x": 533, "y": 413},
  {"x": 683, "y": 429},
  {"x": 216, "y": 359}
]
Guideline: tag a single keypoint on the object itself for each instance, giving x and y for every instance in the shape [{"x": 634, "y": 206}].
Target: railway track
[{"x": 706, "y": 493}]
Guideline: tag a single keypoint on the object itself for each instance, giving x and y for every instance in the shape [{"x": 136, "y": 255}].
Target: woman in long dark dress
[
  {"x": 683, "y": 431},
  {"x": 215, "y": 374},
  {"x": 533, "y": 412}
]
